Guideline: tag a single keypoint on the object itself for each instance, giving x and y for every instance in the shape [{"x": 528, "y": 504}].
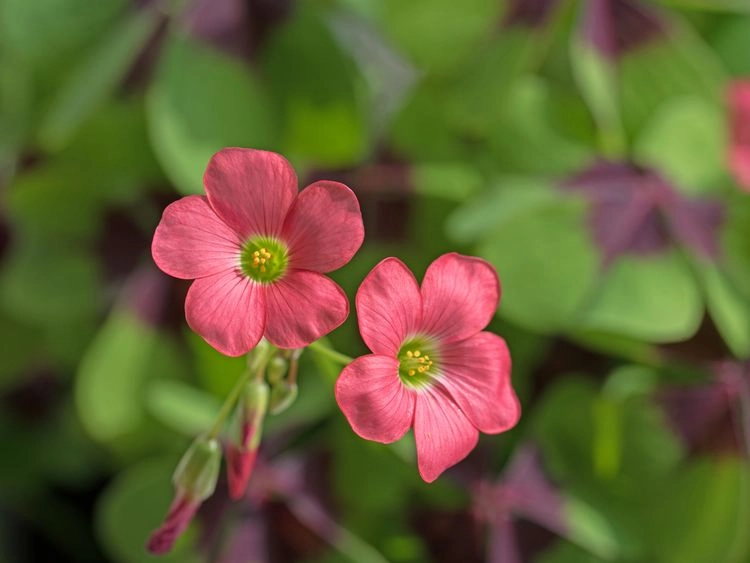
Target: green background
[{"x": 454, "y": 126}]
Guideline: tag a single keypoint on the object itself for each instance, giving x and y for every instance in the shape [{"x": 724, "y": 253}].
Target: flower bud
[
  {"x": 194, "y": 480},
  {"x": 283, "y": 394},
  {"x": 198, "y": 470},
  {"x": 276, "y": 369},
  {"x": 258, "y": 356},
  {"x": 247, "y": 431}
]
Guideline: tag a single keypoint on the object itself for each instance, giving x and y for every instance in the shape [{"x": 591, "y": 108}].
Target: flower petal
[
  {"x": 373, "y": 399},
  {"x": 443, "y": 434},
  {"x": 476, "y": 373},
  {"x": 739, "y": 121},
  {"x": 192, "y": 242},
  {"x": 324, "y": 227},
  {"x": 228, "y": 310},
  {"x": 389, "y": 306},
  {"x": 250, "y": 190},
  {"x": 302, "y": 307},
  {"x": 739, "y": 164},
  {"x": 460, "y": 295}
]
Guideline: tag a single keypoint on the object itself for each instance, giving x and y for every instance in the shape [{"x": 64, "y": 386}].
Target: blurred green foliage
[{"x": 456, "y": 123}]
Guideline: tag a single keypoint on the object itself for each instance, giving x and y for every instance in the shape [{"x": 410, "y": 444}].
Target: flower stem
[
  {"x": 229, "y": 402},
  {"x": 260, "y": 367},
  {"x": 320, "y": 348},
  {"x": 293, "y": 369}
]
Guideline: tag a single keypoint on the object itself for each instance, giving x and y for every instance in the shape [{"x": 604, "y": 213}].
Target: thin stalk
[
  {"x": 293, "y": 369},
  {"x": 234, "y": 394},
  {"x": 229, "y": 402}
]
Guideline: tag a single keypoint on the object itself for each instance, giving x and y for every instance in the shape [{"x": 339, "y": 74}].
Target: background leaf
[
  {"x": 539, "y": 291},
  {"x": 201, "y": 101},
  {"x": 111, "y": 378}
]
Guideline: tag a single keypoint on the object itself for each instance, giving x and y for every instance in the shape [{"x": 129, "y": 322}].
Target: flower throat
[
  {"x": 264, "y": 260},
  {"x": 416, "y": 363}
]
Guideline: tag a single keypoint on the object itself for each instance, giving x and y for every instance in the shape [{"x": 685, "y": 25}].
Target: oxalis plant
[{"x": 258, "y": 250}]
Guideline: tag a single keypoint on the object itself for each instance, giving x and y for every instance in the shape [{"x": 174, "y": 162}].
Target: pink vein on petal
[
  {"x": 373, "y": 399},
  {"x": 323, "y": 228},
  {"x": 250, "y": 190},
  {"x": 443, "y": 434},
  {"x": 460, "y": 295},
  {"x": 302, "y": 307},
  {"x": 228, "y": 311},
  {"x": 389, "y": 306},
  {"x": 191, "y": 241},
  {"x": 476, "y": 373}
]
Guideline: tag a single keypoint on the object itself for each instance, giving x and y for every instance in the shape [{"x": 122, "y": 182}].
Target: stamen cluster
[
  {"x": 260, "y": 257},
  {"x": 416, "y": 362}
]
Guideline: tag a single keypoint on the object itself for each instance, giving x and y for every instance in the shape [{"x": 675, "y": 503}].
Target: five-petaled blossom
[
  {"x": 258, "y": 250},
  {"x": 432, "y": 366}
]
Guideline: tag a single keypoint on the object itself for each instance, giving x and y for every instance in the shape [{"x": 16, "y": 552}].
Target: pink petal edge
[
  {"x": 191, "y": 241},
  {"x": 460, "y": 295},
  {"x": 302, "y": 307},
  {"x": 738, "y": 98},
  {"x": 228, "y": 310},
  {"x": 476, "y": 373},
  {"x": 373, "y": 399},
  {"x": 251, "y": 190},
  {"x": 389, "y": 306},
  {"x": 323, "y": 228},
  {"x": 443, "y": 434},
  {"x": 739, "y": 164}
]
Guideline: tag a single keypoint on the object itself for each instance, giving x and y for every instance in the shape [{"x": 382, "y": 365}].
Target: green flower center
[
  {"x": 263, "y": 259},
  {"x": 417, "y": 367}
]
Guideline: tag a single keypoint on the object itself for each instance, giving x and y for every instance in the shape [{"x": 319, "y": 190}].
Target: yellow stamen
[
  {"x": 261, "y": 257},
  {"x": 414, "y": 362}
]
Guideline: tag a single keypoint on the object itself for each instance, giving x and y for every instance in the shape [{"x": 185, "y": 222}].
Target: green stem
[
  {"x": 229, "y": 402},
  {"x": 329, "y": 353},
  {"x": 259, "y": 364},
  {"x": 293, "y": 369}
]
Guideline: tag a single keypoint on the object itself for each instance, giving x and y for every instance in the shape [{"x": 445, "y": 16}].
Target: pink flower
[
  {"x": 258, "y": 250},
  {"x": 739, "y": 121},
  {"x": 432, "y": 367}
]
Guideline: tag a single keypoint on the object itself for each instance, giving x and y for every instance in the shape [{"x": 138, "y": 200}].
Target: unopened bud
[
  {"x": 198, "y": 470},
  {"x": 283, "y": 394},
  {"x": 195, "y": 480},
  {"x": 258, "y": 356},
  {"x": 250, "y": 413},
  {"x": 247, "y": 431},
  {"x": 276, "y": 369}
]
